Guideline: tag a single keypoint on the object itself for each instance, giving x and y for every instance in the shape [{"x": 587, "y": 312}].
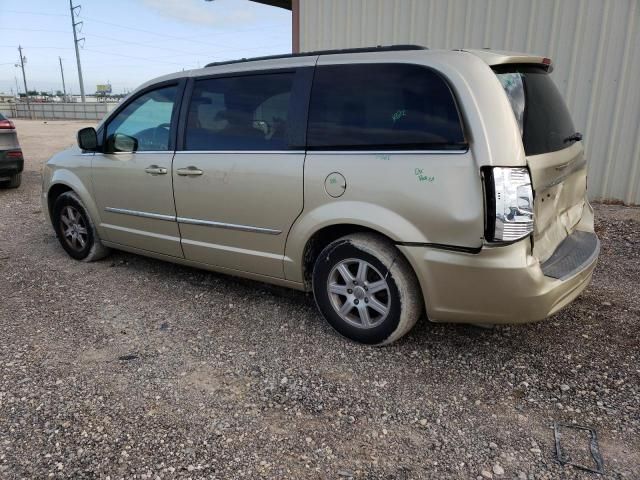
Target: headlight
[{"x": 509, "y": 204}]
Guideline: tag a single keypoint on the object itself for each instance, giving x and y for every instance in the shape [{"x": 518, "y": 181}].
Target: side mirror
[
  {"x": 88, "y": 139},
  {"x": 124, "y": 143}
]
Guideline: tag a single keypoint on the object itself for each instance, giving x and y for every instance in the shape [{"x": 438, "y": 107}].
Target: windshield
[{"x": 544, "y": 120}]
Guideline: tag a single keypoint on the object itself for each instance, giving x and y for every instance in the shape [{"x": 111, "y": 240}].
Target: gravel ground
[{"x": 135, "y": 368}]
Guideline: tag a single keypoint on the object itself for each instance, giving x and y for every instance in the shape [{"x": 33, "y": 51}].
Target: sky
[{"x": 129, "y": 42}]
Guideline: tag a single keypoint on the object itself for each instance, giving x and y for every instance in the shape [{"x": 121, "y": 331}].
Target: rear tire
[
  {"x": 13, "y": 182},
  {"x": 366, "y": 289},
  {"x": 75, "y": 229}
]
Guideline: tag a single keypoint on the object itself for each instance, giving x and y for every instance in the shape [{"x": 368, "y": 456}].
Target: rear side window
[
  {"x": 240, "y": 113},
  {"x": 543, "y": 117},
  {"x": 376, "y": 106}
]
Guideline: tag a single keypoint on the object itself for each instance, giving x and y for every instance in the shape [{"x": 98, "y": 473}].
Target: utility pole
[
  {"x": 74, "y": 24},
  {"x": 24, "y": 79},
  {"x": 64, "y": 89}
]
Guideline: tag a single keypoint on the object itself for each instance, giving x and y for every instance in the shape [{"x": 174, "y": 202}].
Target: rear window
[
  {"x": 2, "y": 117},
  {"x": 377, "y": 106},
  {"x": 544, "y": 120}
]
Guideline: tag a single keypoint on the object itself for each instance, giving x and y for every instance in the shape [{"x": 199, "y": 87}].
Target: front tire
[
  {"x": 366, "y": 289},
  {"x": 75, "y": 229}
]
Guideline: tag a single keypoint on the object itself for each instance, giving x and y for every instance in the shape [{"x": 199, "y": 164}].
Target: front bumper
[
  {"x": 503, "y": 284},
  {"x": 9, "y": 166}
]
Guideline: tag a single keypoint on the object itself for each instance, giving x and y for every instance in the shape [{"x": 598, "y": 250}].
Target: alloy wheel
[
  {"x": 359, "y": 293},
  {"x": 74, "y": 228}
]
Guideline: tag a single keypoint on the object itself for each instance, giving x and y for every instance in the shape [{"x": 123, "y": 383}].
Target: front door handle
[
  {"x": 155, "y": 170},
  {"x": 183, "y": 172}
]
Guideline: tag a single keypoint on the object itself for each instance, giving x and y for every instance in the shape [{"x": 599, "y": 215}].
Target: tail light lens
[
  {"x": 15, "y": 154},
  {"x": 509, "y": 204},
  {"x": 6, "y": 125}
]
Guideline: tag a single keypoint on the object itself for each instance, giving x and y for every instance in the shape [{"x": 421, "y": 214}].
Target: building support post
[{"x": 295, "y": 26}]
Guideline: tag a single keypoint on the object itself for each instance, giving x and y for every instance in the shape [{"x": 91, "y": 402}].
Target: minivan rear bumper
[
  {"x": 10, "y": 165},
  {"x": 503, "y": 284}
]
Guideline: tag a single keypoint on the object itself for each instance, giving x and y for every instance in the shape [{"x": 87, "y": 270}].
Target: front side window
[
  {"x": 240, "y": 113},
  {"x": 376, "y": 106},
  {"x": 147, "y": 119}
]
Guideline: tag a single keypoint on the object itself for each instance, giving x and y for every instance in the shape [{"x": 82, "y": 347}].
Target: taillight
[
  {"x": 6, "y": 125},
  {"x": 15, "y": 154},
  {"x": 509, "y": 204}
]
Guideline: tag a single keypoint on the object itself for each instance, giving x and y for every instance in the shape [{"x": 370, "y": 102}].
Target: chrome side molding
[
  {"x": 194, "y": 221},
  {"x": 230, "y": 226},
  {"x": 136, "y": 213}
]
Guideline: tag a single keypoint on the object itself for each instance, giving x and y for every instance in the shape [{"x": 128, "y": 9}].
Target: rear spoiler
[{"x": 497, "y": 57}]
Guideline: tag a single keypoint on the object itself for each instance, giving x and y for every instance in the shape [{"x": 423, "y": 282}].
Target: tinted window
[
  {"x": 545, "y": 122},
  {"x": 382, "y": 105},
  {"x": 2, "y": 117},
  {"x": 240, "y": 113},
  {"x": 147, "y": 119}
]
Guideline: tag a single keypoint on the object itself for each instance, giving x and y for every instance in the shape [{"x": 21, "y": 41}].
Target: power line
[
  {"x": 37, "y": 47},
  {"x": 35, "y": 30},
  {"x": 128, "y": 42},
  {"x": 129, "y": 56},
  {"x": 36, "y": 13},
  {"x": 213, "y": 52},
  {"x": 163, "y": 35},
  {"x": 151, "y": 44},
  {"x": 189, "y": 38},
  {"x": 176, "y": 37}
]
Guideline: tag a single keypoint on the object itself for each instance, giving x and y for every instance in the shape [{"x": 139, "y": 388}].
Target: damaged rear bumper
[{"x": 504, "y": 284}]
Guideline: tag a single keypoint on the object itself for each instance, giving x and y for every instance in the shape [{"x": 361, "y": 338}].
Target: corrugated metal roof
[{"x": 594, "y": 45}]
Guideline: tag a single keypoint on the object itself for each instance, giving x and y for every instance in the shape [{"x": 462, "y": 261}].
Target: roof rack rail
[{"x": 379, "y": 48}]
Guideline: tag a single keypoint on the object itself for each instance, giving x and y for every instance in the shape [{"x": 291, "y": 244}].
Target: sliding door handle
[
  {"x": 192, "y": 171},
  {"x": 155, "y": 170}
]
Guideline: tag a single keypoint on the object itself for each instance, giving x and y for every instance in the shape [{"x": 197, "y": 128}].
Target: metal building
[{"x": 594, "y": 44}]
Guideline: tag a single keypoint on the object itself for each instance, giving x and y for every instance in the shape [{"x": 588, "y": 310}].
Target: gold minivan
[{"x": 391, "y": 182}]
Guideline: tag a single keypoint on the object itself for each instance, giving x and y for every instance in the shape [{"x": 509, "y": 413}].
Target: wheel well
[
  {"x": 54, "y": 192},
  {"x": 324, "y": 237}
]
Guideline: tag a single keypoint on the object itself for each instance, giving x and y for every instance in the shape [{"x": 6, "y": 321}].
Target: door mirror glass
[
  {"x": 124, "y": 143},
  {"x": 88, "y": 139}
]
